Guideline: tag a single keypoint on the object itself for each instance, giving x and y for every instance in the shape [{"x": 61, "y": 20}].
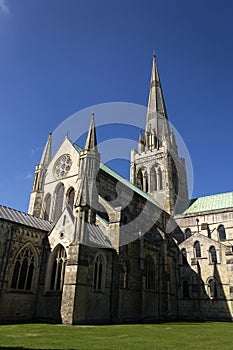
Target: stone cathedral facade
[{"x": 95, "y": 248}]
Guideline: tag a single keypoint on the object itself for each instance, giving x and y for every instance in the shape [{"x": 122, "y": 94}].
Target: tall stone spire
[
  {"x": 156, "y": 167},
  {"x": 156, "y": 120},
  {"x": 91, "y": 141}
]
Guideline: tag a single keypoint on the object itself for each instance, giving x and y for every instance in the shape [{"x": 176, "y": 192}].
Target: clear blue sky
[{"x": 59, "y": 56}]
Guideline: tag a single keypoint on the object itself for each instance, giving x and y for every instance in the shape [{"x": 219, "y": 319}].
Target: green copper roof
[
  {"x": 120, "y": 178},
  {"x": 217, "y": 201}
]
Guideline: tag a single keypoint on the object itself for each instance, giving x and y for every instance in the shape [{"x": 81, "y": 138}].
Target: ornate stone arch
[
  {"x": 25, "y": 268},
  {"x": 56, "y": 268}
]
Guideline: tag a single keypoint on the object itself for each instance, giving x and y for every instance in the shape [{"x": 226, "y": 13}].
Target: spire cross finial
[
  {"x": 67, "y": 134},
  {"x": 154, "y": 55}
]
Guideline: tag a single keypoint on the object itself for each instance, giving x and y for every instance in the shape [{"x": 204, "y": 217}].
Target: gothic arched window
[
  {"x": 221, "y": 233},
  {"x": 160, "y": 179},
  {"x": 213, "y": 255},
  {"x": 139, "y": 179},
  {"x": 47, "y": 205},
  {"x": 188, "y": 233},
  {"x": 99, "y": 273},
  {"x": 197, "y": 248},
  {"x": 153, "y": 182},
  {"x": 58, "y": 268},
  {"x": 59, "y": 197},
  {"x": 149, "y": 273},
  {"x": 23, "y": 273},
  {"x": 184, "y": 256},
  {"x": 145, "y": 182},
  {"x": 212, "y": 287},
  {"x": 185, "y": 289},
  {"x": 70, "y": 199}
]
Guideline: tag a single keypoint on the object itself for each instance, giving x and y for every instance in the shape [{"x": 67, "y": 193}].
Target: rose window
[{"x": 62, "y": 166}]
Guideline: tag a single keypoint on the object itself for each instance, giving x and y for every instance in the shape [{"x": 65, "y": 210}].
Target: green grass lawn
[{"x": 198, "y": 336}]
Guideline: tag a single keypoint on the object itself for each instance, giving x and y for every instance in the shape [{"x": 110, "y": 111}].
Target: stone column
[{"x": 70, "y": 283}]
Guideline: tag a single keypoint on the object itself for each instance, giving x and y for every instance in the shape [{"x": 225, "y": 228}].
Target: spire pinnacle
[
  {"x": 47, "y": 153},
  {"x": 91, "y": 140},
  {"x": 156, "y": 120},
  {"x": 140, "y": 140}
]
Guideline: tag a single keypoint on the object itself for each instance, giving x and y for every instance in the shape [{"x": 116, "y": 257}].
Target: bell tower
[{"x": 156, "y": 167}]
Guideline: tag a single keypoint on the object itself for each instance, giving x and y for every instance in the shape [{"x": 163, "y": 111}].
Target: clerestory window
[
  {"x": 213, "y": 255},
  {"x": 197, "y": 248}
]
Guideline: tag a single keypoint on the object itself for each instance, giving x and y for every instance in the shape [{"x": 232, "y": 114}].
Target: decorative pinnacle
[{"x": 91, "y": 141}]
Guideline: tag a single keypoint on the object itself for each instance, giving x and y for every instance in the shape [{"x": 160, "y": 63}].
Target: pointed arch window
[
  {"x": 139, "y": 179},
  {"x": 153, "y": 182},
  {"x": 59, "y": 198},
  {"x": 24, "y": 267},
  {"x": 188, "y": 233},
  {"x": 185, "y": 289},
  {"x": 212, "y": 287},
  {"x": 197, "y": 249},
  {"x": 70, "y": 199},
  {"x": 160, "y": 179},
  {"x": 58, "y": 268},
  {"x": 221, "y": 233},
  {"x": 213, "y": 255},
  {"x": 149, "y": 273},
  {"x": 145, "y": 182},
  {"x": 99, "y": 273},
  {"x": 47, "y": 206},
  {"x": 184, "y": 256}
]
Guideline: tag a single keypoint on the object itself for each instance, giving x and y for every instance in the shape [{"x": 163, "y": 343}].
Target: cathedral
[{"x": 95, "y": 248}]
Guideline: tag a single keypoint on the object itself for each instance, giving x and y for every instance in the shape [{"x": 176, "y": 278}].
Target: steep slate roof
[
  {"x": 96, "y": 237},
  {"x": 24, "y": 218},
  {"x": 214, "y": 202}
]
